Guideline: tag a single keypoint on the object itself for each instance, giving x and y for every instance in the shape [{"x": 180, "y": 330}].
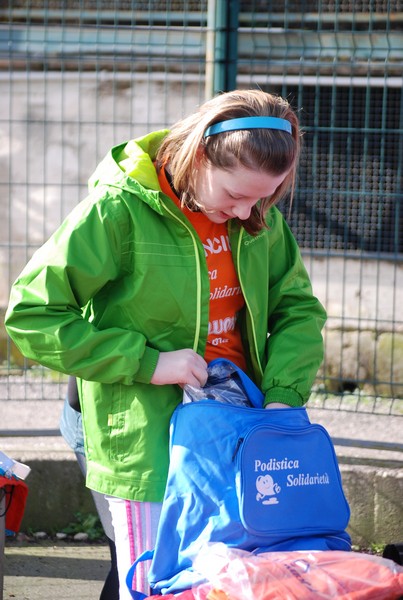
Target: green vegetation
[{"x": 85, "y": 523}]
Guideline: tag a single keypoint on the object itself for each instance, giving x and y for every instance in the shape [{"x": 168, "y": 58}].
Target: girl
[{"x": 177, "y": 256}]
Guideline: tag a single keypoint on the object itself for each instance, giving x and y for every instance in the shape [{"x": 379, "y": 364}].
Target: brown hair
[{"x": 268, "y": 150}]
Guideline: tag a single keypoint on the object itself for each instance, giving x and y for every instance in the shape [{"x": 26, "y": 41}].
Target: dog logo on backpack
[{"x": 267, "y": 488}]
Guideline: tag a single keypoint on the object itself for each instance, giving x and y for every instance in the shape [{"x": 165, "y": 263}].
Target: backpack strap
[{"x": 147, "y": 555}]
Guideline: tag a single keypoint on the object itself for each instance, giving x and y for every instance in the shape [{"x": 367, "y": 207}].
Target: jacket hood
[{"x": 129, "y": 166}]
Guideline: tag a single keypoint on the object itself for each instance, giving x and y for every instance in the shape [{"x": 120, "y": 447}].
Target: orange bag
[{"x": 238, "y": 575}]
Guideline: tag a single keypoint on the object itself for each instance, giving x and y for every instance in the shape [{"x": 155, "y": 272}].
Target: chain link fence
[{"x": 78, "y": 76}]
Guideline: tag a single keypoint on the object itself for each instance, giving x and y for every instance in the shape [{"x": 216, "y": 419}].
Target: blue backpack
[{"x": 256, "y": 479}]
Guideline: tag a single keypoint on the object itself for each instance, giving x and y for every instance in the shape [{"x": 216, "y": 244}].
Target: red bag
[{"x": 16, "y": 491}]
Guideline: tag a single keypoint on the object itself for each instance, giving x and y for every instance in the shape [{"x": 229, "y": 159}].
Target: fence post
[{"x": 221, "y": 46}]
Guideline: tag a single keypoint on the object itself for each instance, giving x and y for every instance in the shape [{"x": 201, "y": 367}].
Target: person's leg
[
  {"x": 110, "y": 591},
  {"x": 135, "y": 527},
  {"x": 101, "y": 504}
]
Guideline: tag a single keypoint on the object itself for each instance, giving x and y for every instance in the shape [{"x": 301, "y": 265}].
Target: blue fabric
[
  {"x": 255, "y": 479},
  {"x": 71, "y": 428}
]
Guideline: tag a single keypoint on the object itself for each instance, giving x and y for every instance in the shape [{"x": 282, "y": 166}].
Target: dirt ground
[{"x": 54, "y": 570}]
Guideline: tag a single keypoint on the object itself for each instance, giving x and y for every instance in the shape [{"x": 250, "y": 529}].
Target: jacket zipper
[
  {"x": 238, "y": 255},
  {"x": 198, "y": 276}
]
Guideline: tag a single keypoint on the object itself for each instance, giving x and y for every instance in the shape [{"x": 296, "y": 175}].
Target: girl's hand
[
  {"x": 277, "y": 405},
  {"x": 181, "y": 367}
]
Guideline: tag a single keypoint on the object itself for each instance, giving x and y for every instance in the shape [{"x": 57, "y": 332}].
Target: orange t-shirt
[{"x": 226, "y": 298}]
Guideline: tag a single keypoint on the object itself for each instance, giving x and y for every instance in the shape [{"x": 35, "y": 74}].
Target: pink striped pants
[{"x": 135, "y": 527}]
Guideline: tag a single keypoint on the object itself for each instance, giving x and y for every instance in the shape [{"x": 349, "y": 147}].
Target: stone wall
[{"x": 364, "y": 331}]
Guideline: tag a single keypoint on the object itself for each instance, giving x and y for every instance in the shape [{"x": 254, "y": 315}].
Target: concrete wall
[
  {"x": 57, "y": 492},
  {"x": 375, "y": 497},
  {"x": 53, "y": 131}
]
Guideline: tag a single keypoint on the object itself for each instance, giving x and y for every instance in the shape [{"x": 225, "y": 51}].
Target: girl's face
[{"x": 226, "y": 194}]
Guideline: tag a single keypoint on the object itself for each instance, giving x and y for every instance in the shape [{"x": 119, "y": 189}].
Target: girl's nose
[{"x": 242, "y": 210}]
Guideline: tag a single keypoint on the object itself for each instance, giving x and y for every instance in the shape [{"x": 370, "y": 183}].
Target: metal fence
[{"x": 77, "y": 76}]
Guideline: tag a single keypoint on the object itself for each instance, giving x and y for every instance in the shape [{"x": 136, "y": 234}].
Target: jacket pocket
[{"x": 119, "y": 423}]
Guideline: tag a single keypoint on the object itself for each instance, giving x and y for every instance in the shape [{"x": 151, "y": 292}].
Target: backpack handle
[{"x": 147, "y": 555}]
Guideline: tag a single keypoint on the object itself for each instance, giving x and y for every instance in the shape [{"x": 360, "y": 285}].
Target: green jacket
[{"x": 124, "y": 278}]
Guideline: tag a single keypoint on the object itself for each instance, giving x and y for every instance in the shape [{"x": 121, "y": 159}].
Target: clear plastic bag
[
  {"x": 223, "y": 384},
  {"x": 12, "y": 468},
  {"x": 238, "y": 575}
]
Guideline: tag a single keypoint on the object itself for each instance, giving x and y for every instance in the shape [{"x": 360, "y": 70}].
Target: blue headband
[{"x": 249, "y": 123}]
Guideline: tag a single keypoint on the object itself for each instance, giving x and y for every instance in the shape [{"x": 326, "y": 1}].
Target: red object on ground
[{"x": 16, "y": 492}]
